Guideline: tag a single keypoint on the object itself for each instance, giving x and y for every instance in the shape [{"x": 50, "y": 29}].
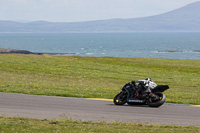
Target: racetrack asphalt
[{"x": 52, "y": 107}]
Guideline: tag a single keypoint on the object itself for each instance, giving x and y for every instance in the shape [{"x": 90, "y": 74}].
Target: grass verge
[
  {"x": 96, "y": 77},
  {"x": 23, "y": 125}
]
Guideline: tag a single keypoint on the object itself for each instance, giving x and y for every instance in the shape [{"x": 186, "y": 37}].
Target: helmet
[{"x": 149, "y": 79}]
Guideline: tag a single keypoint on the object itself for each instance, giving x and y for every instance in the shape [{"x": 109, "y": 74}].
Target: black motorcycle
[{"x": 142, "y": 92}]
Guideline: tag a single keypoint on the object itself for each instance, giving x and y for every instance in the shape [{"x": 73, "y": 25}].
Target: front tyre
[
  {"x": 120, "y": 99},
  {"x": 157, "y": 99}
]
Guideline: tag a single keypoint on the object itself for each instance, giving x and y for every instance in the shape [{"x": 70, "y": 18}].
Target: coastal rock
[
  {"x": 14, "y": 51},
  {"x": 168, "y": 51}
]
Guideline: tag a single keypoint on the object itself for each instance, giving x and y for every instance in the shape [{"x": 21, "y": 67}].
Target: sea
[{"x": 183, "y": 45}]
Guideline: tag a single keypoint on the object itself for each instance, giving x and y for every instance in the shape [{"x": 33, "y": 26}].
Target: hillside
[{"x": 185, "y": 19}]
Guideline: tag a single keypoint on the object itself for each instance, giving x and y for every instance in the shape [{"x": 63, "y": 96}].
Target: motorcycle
[{"x": 142, "y": 92}]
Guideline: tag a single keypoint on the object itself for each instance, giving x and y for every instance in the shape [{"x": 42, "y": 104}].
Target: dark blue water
[{"x": 139, "y": 45}]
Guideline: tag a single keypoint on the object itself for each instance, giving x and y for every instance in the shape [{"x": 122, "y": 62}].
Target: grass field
[
  {"x": 94, "y": 77},
  {"x": 22, "y": 125}
]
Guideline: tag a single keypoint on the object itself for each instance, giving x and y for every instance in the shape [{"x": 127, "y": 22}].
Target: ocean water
[{"x": 137, "y": 45}]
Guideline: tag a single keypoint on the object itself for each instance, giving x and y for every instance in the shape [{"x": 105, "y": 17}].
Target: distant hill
[{"x": 185, "y": 19}]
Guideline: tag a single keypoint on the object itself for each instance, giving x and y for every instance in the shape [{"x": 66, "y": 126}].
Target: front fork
[{"x": 123, "y": 94}]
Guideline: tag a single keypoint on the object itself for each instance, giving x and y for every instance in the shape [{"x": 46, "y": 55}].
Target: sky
[{"x": 84, "y": 10}]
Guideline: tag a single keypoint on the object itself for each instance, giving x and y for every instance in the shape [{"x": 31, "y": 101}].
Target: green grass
[
  {"x": 23, "y": 125},
  {"x": 96, "y": 77}
]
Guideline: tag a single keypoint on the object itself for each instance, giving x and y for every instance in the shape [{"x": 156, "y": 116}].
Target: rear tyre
[
  {"x": 158, "y": 100},
  {"x": 120, "y": 99}
]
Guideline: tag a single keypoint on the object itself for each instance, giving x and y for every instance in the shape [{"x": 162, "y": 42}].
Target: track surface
[{"x": 51, "y": 107}]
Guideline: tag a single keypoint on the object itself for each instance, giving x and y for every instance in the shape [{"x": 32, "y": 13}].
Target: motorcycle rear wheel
[
  {"x": 120, "y": 99},
  {"x": 157, "y": 102}
]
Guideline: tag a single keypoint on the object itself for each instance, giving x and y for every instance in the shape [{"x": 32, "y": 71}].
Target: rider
[{"x": 145, "y": 85}]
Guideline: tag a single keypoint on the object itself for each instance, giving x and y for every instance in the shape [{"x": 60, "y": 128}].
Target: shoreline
[{"x": 15, "y": 51}]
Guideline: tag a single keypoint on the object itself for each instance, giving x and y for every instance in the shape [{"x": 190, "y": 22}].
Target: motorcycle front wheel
[
  {"x": 120, "y": 99},
  {"x": 158, "y": 100}
]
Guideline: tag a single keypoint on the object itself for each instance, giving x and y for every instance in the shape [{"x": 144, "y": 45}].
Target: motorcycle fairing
[
  {"x": 128, "y": 89},
  {"x": 135, "y": 100},
  {"x": 131, "y": 94}
]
